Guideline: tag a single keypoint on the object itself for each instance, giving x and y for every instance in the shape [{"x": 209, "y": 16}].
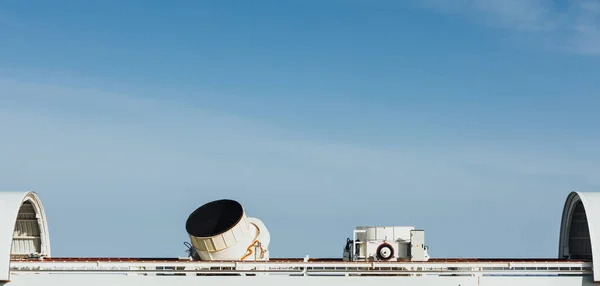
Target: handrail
[{"x": 506, "y": 268}]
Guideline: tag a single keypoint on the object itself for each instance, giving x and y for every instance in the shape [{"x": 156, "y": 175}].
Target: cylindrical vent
[
  {"x": 220, "y": 230},
  {"x": 214, "y": 218}
]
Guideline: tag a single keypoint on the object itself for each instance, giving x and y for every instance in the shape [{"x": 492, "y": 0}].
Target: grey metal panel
[
  {"x": 27, "y": 234},
  {"x": 417, "y": 245},
  {"x": 580, "y": 229}
]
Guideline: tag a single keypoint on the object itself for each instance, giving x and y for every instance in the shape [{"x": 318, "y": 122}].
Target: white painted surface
[
  {"x": 117, "y": 280},
  {"x": 591, "y": 203},
  {"x": 229, "y": 245},
  {"x": 369, "y": 239},
  {"x": 248, "y": 239},
  {"x": 277, "y": 268},
  {"x": 10, "y": 203},
  {"x": 264, "y": 237},
  {"x": 385, "y": 233},
  {"x": 54, "y": 272},
  {"x": 534, "y": 281}
]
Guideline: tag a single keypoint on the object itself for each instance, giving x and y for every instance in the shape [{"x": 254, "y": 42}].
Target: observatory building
[{"x": 229, "y": 247}]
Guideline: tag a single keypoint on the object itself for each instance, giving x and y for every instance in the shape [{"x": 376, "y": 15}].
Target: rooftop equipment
[
  {"x": 386, "y": 243},
  {"x": 220, "y": 230}
]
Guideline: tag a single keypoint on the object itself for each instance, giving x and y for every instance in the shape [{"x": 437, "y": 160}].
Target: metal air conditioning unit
[{"x": 386, "y": 243}]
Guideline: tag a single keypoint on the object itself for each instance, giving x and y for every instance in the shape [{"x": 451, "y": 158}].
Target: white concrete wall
[{"x": 117, "y": 280}]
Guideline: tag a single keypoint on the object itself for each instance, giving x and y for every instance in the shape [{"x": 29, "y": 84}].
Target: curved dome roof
[
  {"x": 580, "y": 229},
  {"x": 23, "y": 228}
]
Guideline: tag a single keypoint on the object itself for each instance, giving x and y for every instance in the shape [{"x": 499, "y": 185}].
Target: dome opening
[
  {"x": 29, "y": 231},
  {"x": 214, "y": 218},
  {"x": 580, "y": 246}
]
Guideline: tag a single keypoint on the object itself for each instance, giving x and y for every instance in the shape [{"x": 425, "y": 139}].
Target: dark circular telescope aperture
[{"x": 214, "y": 218}]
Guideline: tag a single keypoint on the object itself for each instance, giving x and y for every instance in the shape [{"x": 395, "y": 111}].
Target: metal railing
[{"x": 199, "y": 268}]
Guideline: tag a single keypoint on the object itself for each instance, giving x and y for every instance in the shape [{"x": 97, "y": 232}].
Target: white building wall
[{"x": 93, "y": 280}]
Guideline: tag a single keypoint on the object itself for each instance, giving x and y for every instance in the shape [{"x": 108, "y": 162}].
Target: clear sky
[{"x": 471, "y": 119}]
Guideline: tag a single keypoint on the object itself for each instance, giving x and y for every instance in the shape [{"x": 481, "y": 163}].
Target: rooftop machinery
[
  {"x": 220, "y": 230},
  {"x": 386, "y": 243},
  {"x": 226, "y": 245}
]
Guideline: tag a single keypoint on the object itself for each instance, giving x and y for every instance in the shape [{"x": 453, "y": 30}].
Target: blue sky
[{"x": 472, "y": 120}]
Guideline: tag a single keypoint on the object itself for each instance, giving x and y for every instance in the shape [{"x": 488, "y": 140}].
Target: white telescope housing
[{"x": 221, "y": 231}]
